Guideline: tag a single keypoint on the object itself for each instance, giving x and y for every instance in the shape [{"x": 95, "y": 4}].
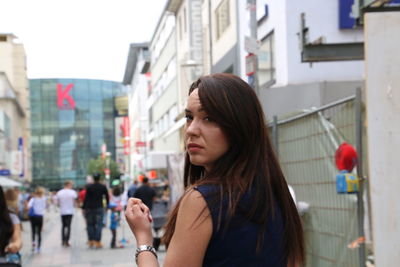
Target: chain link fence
[{"x": 306, "y": 145}]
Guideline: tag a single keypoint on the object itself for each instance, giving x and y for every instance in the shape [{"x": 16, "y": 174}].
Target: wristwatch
[{"x": 142, "y": 248}]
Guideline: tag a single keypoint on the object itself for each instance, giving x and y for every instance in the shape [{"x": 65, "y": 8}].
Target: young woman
[
  {"x": 237, "y": 209},
  {"x": 10, "y": 233},
  {"x": 37, "y": 206}
]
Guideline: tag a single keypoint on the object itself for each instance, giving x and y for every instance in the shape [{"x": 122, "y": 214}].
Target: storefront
[{"x": 70, "y": 119}]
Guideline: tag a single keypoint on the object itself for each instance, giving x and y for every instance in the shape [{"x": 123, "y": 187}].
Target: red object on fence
[{"x": 346, "y": 157}]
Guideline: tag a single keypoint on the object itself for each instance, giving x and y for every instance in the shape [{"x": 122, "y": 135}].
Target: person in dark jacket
[
  {"x": 146, "y": 193},
  {"x": 94, "y": 212}
]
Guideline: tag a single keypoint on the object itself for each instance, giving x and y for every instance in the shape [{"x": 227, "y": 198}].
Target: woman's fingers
[
  {"x": 137, "y": 207},
  {"x": 146, "y": 211},
  {"x": 133, "y": 201}
]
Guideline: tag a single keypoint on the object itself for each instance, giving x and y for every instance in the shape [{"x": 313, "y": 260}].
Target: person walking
[
  {"x": 93, "y": 206},
  {"x": 237, "y": 209},
  {"x": 37, "y": 207},
  {"x": 146, "y": 193},
  {"x": 10, "y": 234},
  {"x": 132, "y": 188},
  {"x": 114, "y": 223},
  {"x": 66, "y": 199}
]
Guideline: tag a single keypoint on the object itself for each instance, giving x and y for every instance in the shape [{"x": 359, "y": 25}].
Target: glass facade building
[{"x": 70, "y": 120}]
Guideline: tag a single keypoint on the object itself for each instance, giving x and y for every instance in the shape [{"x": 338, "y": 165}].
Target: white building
[
  {"x": 163, "y": 135},
  {"x": 138, "y": 79},
  {"x": 288, "y": 84}
]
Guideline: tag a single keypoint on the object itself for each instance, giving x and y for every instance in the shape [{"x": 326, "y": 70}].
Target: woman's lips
[{"x": 194, "y": 147}]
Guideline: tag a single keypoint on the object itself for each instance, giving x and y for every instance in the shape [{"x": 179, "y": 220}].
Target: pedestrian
[
  {"x": 116, "y": 198},
  {"x": 10, "y": 234},
  {"x": 93, "y": 206},
  {"x": 146, "y": 193},
  {"x": 54, "y": 201},
  {"x": 20, "y": 202},
  {"x": 11, "y": 197},
  {"x": 37, "y": 208},
  {"x": 66, "y": 199},
  {"x": 132, "y": 188},
  {"x": 81, "y": 196},
  {"x": 236, "y": 209},
  {"x": 114, "y": 223}
]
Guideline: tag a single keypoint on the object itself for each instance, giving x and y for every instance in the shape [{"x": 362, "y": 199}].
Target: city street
[{"x": 78, "y": 255}]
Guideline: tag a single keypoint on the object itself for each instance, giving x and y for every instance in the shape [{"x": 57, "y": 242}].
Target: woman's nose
[{"x": 193, "y": 128}]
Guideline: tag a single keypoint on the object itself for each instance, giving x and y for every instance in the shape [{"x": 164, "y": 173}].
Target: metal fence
[{"x": 306, "y": 146}]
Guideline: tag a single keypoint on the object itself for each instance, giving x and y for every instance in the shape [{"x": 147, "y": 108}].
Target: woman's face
[{"x": 204, "y": 139}]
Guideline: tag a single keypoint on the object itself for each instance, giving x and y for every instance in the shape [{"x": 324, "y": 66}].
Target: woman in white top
[{"x": 37, "y": 207}]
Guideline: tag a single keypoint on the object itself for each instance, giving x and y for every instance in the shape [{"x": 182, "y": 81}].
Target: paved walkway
[{"x": 78, "y": 255}]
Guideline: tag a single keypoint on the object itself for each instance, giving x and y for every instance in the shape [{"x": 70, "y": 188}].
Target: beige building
[{"x": 15, "y": 153}]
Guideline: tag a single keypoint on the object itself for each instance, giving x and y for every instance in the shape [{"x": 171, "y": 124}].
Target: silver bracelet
[{"x": 142, "y": 248}]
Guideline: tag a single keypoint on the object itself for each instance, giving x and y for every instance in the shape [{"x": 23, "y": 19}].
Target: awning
[{"x": 7, "y": 182}]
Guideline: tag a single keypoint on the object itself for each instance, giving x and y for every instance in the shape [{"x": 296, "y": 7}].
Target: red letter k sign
[{"x": 61, "y": 95}]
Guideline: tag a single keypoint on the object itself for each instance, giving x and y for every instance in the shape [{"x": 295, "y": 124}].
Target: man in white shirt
[{"x": 66, "y": 198}]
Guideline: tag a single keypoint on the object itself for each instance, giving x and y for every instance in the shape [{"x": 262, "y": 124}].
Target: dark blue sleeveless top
[{"x": 236, "y": 245}]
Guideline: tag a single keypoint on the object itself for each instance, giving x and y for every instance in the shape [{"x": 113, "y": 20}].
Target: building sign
[
  {"x": 16, "y": 162},
  {"x": 251, "y": 64},
  {"x": 125, "y": 131},
  {"x": 347, "y": 16},
  {"x": 64, "y": 100},
  {"x": 5, "y": 172},
  {"x": 346, "y": 19}
]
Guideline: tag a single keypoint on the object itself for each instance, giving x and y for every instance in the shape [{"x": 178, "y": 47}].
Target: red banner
[{"x": 125, "y": 132}]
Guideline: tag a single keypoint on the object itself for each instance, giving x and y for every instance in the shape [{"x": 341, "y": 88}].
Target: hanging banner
[{"x": 21, "y": 151}]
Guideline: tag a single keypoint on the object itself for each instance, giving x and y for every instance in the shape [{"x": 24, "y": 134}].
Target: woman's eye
[
  {"x": 208, "y": 119},
  {"x": 189, "y": 117}
]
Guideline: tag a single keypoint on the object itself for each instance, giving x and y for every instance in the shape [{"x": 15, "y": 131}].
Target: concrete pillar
[{"x": 382, "y": 55}]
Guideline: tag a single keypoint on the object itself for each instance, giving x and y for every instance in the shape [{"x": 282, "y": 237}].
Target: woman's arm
[
  {"x": 16, "y": 241},
  {"x": 30, "y": 203},
  {"x": 192, "y": 234},
  {"x": 139, "y": 219}
]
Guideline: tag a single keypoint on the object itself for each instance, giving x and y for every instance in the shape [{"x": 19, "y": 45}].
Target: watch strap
[{"x": 142, "y": 248}]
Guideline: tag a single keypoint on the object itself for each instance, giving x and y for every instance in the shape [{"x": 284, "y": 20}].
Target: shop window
[
  {"x": 222, "y": 18},
  {"x": 266, "y": 61}
]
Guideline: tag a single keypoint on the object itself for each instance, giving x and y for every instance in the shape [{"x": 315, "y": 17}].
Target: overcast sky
[{"x": 79, "y": 38}]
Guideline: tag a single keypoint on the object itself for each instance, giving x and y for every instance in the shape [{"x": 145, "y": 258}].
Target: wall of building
[
  {"x": 288, "y": 99},
  {"x": 228, "y": 39},
  {"x": 168, "y": 144},
  {"x": 6, "y": 58},
  {"x": 13, "y": 64},
  {"x": 321, "y": 22},
  {"x": 322, "y": 19},
  {"x": 11, "y": 119}
]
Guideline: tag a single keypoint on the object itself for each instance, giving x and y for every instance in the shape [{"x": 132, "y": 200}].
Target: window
[
  {"x": 266, "y": 62},
  {"x": 180, "y": 28},
  {"x": 184, "y": 19},
  {"x": 222, "y": 17}
]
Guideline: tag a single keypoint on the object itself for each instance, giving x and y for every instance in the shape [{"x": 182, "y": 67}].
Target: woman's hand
[
  {"x": 139, "y": 219},
  {"x": 16, "y": 240},
  {"x": 12, "y": 248}
]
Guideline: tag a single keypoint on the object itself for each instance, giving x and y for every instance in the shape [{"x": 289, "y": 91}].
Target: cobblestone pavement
[{"x": 78, "y": 255}]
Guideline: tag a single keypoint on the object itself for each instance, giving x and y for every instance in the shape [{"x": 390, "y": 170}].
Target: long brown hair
[
  {"x": 250, "y": 162},
  {"x": 6, "y": 225}
]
